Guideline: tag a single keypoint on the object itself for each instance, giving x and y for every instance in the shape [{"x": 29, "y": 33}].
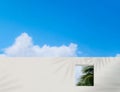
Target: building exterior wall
[{"x": 57, "y": 74}]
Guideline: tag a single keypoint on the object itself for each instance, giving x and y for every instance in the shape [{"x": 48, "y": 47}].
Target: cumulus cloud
[
  {"x": 2, "y": 55},
  {"x": 24, "y": 47},
  {"x": 118, "y": 55}
]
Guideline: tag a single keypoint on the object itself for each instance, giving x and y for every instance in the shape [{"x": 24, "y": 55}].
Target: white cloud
[
  {"x": 118, "y": 55},
  {"x": 2, "y": 55},
  {"x": 24, "y": 47}
]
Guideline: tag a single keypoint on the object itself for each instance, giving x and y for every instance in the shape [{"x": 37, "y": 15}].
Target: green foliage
[{"x": 87, "y": 79}]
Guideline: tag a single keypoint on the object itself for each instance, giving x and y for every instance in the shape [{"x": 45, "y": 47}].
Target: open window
[{"x": 84, "y": 75}]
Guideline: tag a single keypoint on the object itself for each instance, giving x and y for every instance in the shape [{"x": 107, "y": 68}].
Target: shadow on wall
[{"x": 8, "y": 82}]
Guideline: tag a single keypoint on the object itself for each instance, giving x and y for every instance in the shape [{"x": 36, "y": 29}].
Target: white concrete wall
[{"x": 56, "y": 74}]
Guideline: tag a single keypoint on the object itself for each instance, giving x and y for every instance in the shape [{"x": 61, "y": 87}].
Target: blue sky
[{"x": 91, "y": 24}]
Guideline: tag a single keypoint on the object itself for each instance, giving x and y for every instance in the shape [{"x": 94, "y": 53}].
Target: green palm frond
[{"x": 87, "y": 79}]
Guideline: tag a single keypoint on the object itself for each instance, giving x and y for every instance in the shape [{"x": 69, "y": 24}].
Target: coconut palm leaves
[{"x": 87, "y": 79}]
